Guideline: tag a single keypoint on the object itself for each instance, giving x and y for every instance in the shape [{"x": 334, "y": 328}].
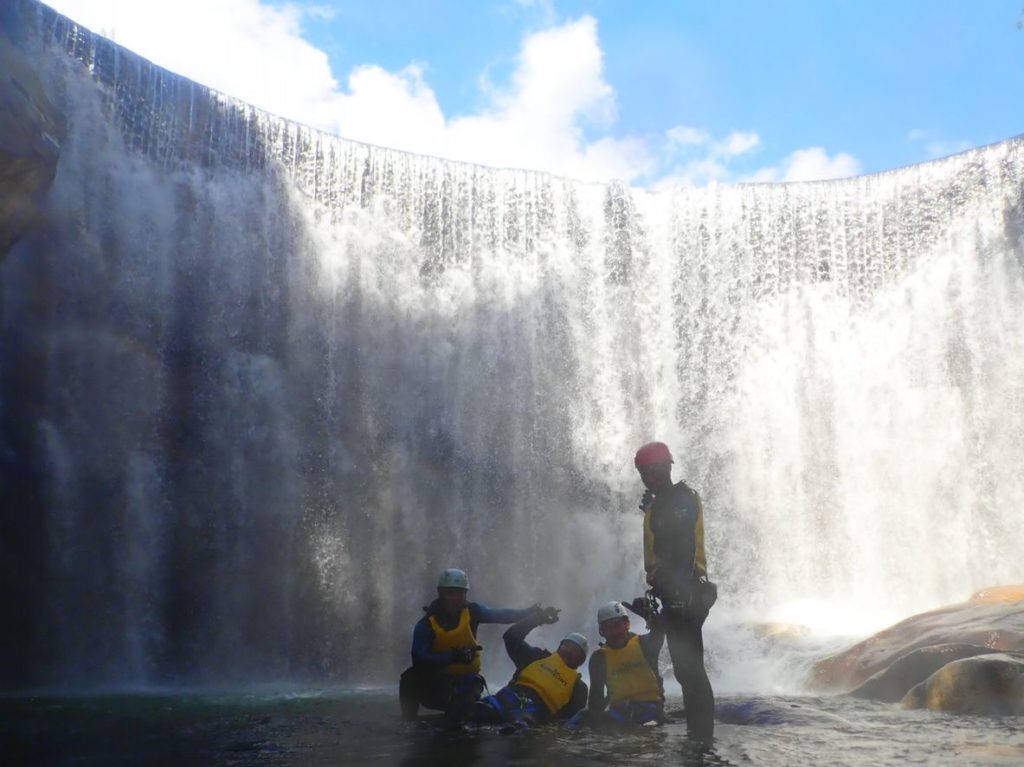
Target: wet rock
[
  {"x": 779, "y": 631},
  {"x": 30, "y": 140},
  {"x": 896, "y": 680},
  {"x": 992, "y": 619},
  {"x": 1000, "y": 594},
  {"x": 984, "y": 684}
]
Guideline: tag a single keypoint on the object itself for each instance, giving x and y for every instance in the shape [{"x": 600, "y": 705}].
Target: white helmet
[
  {"x": 611, "y": 610},
  {"x": 579, "y": 640},
  {"x": 453, "y": 578}
]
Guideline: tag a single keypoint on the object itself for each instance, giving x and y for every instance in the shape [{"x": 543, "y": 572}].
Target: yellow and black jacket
[{"x": 674, "y": 540}]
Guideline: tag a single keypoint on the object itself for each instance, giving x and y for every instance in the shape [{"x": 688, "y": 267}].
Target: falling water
[{"x": 259, "y": 384}]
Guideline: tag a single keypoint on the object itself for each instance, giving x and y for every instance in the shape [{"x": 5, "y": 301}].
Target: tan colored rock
[
  {"x": 995, "y": 624},
  {"x": 1000, "y": 594},
  {"x": 984, "y": 685},
  {"x": 784, "y": 631},
  {"x": 895, "y": 681},
  {"x": 30, "y": 139}
]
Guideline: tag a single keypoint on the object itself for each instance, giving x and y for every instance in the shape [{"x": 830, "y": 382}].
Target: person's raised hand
[{"x": 549, "y": 615}]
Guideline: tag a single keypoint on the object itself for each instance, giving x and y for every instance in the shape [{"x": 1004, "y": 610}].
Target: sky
[{"x": 654, "y": 94}]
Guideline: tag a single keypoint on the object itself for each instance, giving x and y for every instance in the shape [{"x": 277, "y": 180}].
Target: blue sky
[{"x": 655, "y": 93}]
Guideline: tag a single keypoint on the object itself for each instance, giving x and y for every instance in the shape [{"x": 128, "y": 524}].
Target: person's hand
[
  {"x": 639, "y": 606},
  {"x": 646, "y": 500},
  {"x": 548, "y": 615},
  {"x": 464, "y": 654}
]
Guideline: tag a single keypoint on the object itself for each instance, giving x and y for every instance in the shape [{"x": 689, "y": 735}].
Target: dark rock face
[
  {"x": 985, "y": 684},
  {"x": 30, "y": 141}
]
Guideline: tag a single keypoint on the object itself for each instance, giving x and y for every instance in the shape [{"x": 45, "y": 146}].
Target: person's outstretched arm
[
  {"x": 519, "y": 650},
  {"x": 483, "y": 614}
]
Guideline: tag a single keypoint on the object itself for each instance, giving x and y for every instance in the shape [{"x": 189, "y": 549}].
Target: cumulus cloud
[
  {"x": 556, "y": 112},
  {"x": 811, "y": 164},
  {"x": 699, "y": 158},
  {"x": 938, "y": 147},
  {"x": 249, "y": 50}
]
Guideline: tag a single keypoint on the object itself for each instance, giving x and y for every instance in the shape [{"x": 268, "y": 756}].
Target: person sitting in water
[
  {"x": 627, "y": 665},
  {"x": 445, "y": 671},
  {"x": 545, "y": 685}
]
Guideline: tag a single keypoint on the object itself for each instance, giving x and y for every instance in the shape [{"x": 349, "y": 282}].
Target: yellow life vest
[
  {"x": 551, "y": 679},
  {"x": 629, "y": 675},
  {"x": 460, "y": 636}
]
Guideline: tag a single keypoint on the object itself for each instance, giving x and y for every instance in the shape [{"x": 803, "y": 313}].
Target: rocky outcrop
[
  {"x": 985, "y": 684},
  {"x": 891, "y": 683},
  {"x": 991, "y": 621},
  {"x": 30, "y": 140}
]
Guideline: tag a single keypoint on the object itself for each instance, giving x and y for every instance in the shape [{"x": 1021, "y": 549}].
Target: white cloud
[
  {"x": 684, "y": 135},
  {"x": 815, "y": 164},
  {"x": 810, "y": 164},
  {"x": 556, "y": 112},
  {"x": 705, "y": 159},
  {"x": 739, "y": 142},
  {"x": 246, "y": 49},
  {"x": 938, "y": 147}
]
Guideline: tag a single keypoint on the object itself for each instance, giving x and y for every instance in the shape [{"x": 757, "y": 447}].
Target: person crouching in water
[
  {"x": 445, "y": 671},
  {"x": 627, "y": 665},
  {"x": 545, "y": 686}
]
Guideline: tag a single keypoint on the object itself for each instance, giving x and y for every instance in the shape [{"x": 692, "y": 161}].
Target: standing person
[
  {"x": 445, "y": 671},
  {"x": 677, "y": 573}
]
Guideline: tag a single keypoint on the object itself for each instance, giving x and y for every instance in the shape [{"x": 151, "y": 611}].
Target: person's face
[
  {"x": 452, "y": 600},
  {"x": 572, "y": 654},
  {"x": 615, "y": 630},
  {"x": 656, "y": 476}
]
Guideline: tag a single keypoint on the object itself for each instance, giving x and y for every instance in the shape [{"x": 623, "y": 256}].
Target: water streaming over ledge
[{"x": 259, "y": 384}]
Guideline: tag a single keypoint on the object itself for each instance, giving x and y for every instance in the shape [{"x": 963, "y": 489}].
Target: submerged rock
[
  {"x": 993, "y": 619},
  {"x": 985, "y": 684}
]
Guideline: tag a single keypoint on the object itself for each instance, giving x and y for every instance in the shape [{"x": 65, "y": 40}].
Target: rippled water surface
[{"x": 362, "y": 728}]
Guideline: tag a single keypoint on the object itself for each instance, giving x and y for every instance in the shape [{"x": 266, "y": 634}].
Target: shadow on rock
[{"x": 967, "y": 658}]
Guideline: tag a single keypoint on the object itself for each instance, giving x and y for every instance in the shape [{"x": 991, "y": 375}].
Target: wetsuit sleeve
[
  {"x": 519, "y": 650},
  {"x": 577, "y": 702},
  {"x": 650, "y": 645},
  {"x": 423, "y": 648},
  {"x": 700, "y": 560},
  {"x": 484, "y": 614},
  {"x": 598, "y": 672}
]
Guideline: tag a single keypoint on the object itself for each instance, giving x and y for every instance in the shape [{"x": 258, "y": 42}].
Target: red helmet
[{"x": 652, "y": 452}]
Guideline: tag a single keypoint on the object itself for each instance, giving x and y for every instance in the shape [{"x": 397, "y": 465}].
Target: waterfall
[{"x": 259, "y": 385}]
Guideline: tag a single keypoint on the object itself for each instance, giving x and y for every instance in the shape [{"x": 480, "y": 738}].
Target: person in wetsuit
[
  {"x": 546, "y": 685},
  {"x": 676, "y": 568},
  {"x": 446, "y": 656}
]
